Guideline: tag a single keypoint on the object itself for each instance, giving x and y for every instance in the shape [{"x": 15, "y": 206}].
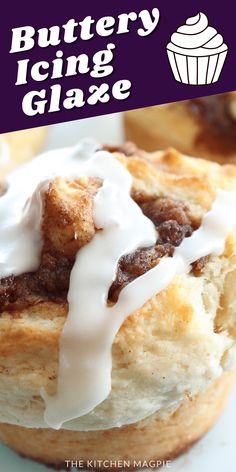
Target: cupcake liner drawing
[{"x": 197, "y": 52}]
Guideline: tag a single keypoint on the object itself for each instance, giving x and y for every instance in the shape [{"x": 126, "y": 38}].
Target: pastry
[
  {"x": 19, "y": 146},
  {"x": 197, "y": 52},
  {"x": 117, "y": 327},
  {"x": 203, "y": 127}
]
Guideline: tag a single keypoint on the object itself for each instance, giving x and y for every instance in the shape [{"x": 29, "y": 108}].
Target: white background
[{"x": 216, "y": 452}]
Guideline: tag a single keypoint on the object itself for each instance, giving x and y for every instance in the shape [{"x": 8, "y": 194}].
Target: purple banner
[{"x": 71, "y": 60}]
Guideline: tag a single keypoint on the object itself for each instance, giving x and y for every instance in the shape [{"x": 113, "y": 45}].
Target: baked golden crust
[
  {"x": 151, "y": 439},
  {"x": 203, "y": 127},
  {"x": 169, "y": 350}
]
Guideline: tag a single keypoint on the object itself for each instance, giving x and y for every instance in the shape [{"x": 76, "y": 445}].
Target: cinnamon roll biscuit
[
  {"x": 167, "y": 313},
  {"x": 204, "y": 127}
]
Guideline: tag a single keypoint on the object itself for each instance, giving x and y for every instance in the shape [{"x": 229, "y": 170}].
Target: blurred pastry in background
[
  {"x": 204, "y": 127},
  {"x": 20, "y": 146}
]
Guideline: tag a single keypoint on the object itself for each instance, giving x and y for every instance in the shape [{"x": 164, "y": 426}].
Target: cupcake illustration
[{"x": 197, "y": 52}]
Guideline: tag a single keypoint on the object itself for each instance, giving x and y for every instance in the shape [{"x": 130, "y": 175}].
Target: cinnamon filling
[
  {"x": 218, "y": 123},
  {"x": 50, "y": 282},
  {"x": 128, "y": 149},
  {"x": 173, "y": 222}
]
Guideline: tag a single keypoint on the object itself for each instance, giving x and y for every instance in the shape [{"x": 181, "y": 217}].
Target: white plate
[{"x": 216, "y": 452}]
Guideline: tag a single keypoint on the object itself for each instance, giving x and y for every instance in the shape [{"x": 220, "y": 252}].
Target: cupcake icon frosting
[{"x": 197, "y": 52}]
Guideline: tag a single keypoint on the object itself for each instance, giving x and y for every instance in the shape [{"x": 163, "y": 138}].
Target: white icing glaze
[
  {"x": 196, "y": 34},
  {"x": 85, "y": 362},
  {"x": 21, "y": 209}
]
